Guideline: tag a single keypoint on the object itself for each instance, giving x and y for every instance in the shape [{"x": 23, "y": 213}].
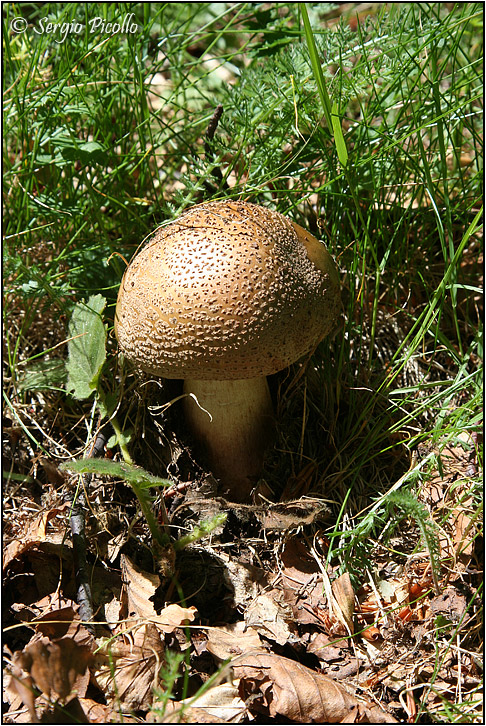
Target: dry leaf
[
  {"x": 115, "y": 544},
  {"x": 52, "y": 713},
  {"x": 63, "y": 622},
  {"x": 299, "y": 566},
  {"x": 113, "y": 613},
  {"x": 325, "y": 648},
  {"x": 35, "y": 534},
  {"x": 344, "y": 599},
  {"x": 450, "y": 603},
  {"x": 56, "y": 658},
  {"x": 277, "y": 686},
  {"x": 38, "y": 529},
  {"x": 220, "y": 704},
  {"x": 45, "y": 607},
  {"x": 174, "y": 616},
  {"x": 42, "y": 569},
  {"x": 245, "y": 581},
  {"x": 99, "y": 713},
  {"x": 55, "y": 667},
  {"x": 231, "y": 640},
  {"x": 55, "y": 623},
  {"x": 270, "y": 618},
  {"x": 290, "y": 515},
  {"x": 21, "y": 687},
  {"x": 463, "y": 526},
  {"x": 175, "y": 714},
  {"x": 301, "y": 583},
  {"x": 131, "y": 665},
  {"x": 393, "y": 591},
  {"x": 140, "y": 587}
]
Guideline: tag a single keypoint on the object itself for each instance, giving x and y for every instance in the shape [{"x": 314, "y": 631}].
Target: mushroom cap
[{"x": 229, "y": 290}]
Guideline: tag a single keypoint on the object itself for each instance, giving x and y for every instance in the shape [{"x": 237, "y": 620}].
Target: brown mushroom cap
[{"x": 230, "y": 290}]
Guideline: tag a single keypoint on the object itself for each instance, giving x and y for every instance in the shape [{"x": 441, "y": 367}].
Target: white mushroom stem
[{"x": 233, "y": 422}]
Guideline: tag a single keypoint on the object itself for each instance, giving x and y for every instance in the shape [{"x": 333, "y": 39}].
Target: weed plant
[{"x": 377, "y": 150}]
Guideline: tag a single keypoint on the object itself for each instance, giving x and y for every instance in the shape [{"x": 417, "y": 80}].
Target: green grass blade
[{"x": 316, "y": 67}]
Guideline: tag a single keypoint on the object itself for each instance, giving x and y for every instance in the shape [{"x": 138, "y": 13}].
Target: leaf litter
[{"x": 265, "y": 630}]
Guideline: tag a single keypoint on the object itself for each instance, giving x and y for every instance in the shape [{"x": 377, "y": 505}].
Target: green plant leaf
[
  {"x": 134, "y": 475},
  {"x": 107, "y": 402},
  {"x": 121, "y": 439},
  {"x": 86, "y": 347},
  {"x": 342, "y": 152},
  {"x": 89, "y": 152},
  {"x": 43, "y": 375},
  {"x": 201, "y": 530},
  {"x": 409, "y": 504},
  {"x": 331, "y": 113},
  {"x": 316, "y": 67}
]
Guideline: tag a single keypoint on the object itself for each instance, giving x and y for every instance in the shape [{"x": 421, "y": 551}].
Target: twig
[
  {"x": 78, "y": 531},
  {"x": 209, "y": 151},
  {"x": 213, "y": 125},
  {"x": 83, "y": 588}
]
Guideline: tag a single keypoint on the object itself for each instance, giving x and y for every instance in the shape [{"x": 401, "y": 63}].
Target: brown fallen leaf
[
  {"x": 40, "y": 570},
  {"x": 114, "y": 612},
  {"x": 302, "y": 583},
  {"x": 45, "y": 607},
  {"x": 76, "y": 710},
  {"x": 270, "y": 618},
  {"x": 140, "y": 587},
  {"x": 35, "y": 534},
  {"x": 46, "y": 711},
  {"x": 325, "y": 648},
  {"x": 220, "y": 704},
  {"x": 19, "y": 688},
  {"x": 99, "y": 713},
  {"x": 56, "y": 658},
  {"x": 277, "y": 686},
  {"x": 38, "y": 529},
  {"x": 61, "y": 621},
  {"x": 463, "y": 534},
  {"x": 450, "y": 603},
  {"x": 229, "y": 641},
  {"x": 174, "y": 616},
  {"x": 56, "y": 667},
  {"x": 299, "y": 566},
  {"x": 344, "y": 600},
  {"x": 56, "y": 623},
  {"x": 128, "y": 667},
  {"x": 190, "y": 714},
  {"x": 244, "y": 580}
]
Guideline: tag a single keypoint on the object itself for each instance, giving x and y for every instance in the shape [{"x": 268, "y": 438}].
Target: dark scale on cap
[{"x": 227, "y": 291}]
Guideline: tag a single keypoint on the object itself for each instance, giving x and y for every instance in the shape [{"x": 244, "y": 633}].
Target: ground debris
[
  {"x": 268, "y": 629},
  {"x": 55, "y": 661},
  {"x": 220, "y": 704},
  {"x": 278, "y": 686}
]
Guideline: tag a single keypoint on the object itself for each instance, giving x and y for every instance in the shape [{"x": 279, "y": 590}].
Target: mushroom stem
[{"x": 234, "y": 423}]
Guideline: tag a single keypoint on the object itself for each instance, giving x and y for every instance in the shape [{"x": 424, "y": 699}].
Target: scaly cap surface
[{"x": 230, "y": 290}]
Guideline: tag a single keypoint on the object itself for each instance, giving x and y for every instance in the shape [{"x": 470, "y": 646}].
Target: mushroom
[{"x": 224, "y": 296}]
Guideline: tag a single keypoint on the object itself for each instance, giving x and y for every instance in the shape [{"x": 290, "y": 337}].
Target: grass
[{"x": 376, "y": 147}]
